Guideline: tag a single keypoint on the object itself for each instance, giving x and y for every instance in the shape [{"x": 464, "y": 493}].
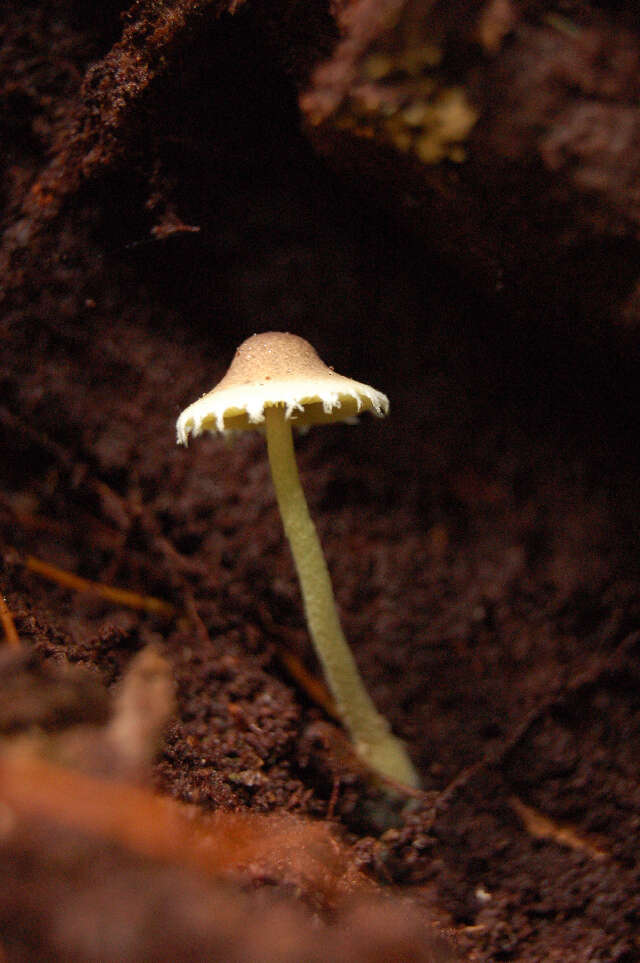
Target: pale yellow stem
[{"x": 370, "y": 732}]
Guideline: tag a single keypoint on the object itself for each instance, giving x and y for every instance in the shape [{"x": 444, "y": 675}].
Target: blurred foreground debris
[{"x": 93, "y": 867}]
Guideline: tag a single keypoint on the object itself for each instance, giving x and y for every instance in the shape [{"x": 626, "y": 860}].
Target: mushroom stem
[{"x": 370, "y": 732}]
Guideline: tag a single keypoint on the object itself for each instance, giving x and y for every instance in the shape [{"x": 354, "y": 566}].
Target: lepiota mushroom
[{"x": 277, "y": 380}]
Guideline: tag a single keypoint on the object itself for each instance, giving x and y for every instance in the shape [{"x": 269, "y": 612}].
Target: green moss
[{"x": 402, "y": 99}]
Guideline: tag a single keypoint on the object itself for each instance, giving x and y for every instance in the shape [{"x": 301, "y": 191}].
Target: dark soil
[{"x": 482, "y": 539}]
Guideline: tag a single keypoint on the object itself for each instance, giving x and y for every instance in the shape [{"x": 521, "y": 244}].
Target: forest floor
[{"x": 172, "y": 782}]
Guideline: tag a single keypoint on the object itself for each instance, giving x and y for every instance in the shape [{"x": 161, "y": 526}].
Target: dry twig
[
  {"x": 6, "y": 619},
  {"x": 135, "y": 600},
  {"x": 542, "y": 827}
]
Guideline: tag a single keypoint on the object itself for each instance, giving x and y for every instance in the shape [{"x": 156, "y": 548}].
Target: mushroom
[{"x": 277, "y": 380}]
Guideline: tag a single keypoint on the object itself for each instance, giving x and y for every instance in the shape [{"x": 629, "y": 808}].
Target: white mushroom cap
[{"x": 278, "y": 369}]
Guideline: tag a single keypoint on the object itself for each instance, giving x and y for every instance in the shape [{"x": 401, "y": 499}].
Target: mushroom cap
[{"x": 278, "y": 369}]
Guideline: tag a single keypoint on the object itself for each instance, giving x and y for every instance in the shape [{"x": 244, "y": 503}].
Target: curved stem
[{"x": 370, "y": 731}]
